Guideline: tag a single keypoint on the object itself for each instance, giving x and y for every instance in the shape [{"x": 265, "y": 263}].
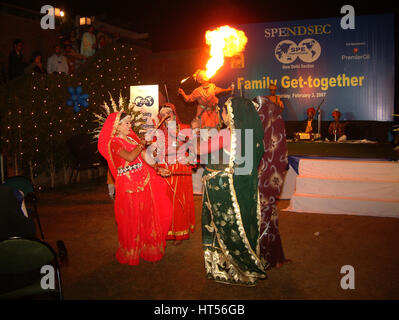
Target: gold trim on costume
[{"x": 228, "y": 258}]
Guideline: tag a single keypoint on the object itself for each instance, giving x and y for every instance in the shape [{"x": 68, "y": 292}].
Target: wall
[{"x": 29, "y": 31}]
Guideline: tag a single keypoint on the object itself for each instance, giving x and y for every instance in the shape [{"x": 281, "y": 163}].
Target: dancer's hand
[
  {"x": 144, "y": 143},
  {"x": 180, "y": 91},
  {"x": 164, "y": 172},
  {"x": 196, "y": 123}
]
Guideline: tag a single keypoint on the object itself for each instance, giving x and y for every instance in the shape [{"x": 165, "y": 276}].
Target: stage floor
[{"x": 347, "y": 150}]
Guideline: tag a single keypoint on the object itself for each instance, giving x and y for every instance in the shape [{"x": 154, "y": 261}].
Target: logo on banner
[
  {"x": 147, "y": 101},
  {"x": 287, "y": 51}
]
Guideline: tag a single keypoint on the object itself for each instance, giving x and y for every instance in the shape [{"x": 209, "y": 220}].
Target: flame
[{"x": 224, "y": 42}]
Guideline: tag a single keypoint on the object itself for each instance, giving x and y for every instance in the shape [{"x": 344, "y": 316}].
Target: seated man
[
  {"x": 14, "y": 220},
  {"x": 310, "y": 125},
  {"x": 336, "y": 129}
]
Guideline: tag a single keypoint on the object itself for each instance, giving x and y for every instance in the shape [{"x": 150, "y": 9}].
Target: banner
[
  {"x": 312, "y": 60},
  {"x": 145, "y": 99}
]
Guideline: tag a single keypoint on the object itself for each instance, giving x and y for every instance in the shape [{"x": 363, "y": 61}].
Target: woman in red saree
[
  {"x": 180, "y": 183},
  {"x": 143, "y": 211}
]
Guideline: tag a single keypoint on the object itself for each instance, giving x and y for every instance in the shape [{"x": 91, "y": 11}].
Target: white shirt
[{"x": 57, "y": 64}]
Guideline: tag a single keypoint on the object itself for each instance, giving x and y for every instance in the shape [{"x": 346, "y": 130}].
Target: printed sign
[
  {"x": 312, "y": 60},
  {"x": 145, "y": 99}
]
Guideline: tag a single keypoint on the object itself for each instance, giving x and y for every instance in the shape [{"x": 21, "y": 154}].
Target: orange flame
[{"x": 224, "y": 42}]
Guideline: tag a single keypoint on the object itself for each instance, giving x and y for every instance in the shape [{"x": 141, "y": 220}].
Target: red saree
[
  {"x": 180, "y": 186},
  {"x": 142, "y": 208}
]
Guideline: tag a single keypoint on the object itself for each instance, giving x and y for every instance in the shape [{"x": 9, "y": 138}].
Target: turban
[
  {"x": 336, "y": 111},
  {"x": 311, "y": 110}
]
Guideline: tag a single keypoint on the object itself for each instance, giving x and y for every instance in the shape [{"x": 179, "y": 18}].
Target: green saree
[{"x": 231, "y": 213}]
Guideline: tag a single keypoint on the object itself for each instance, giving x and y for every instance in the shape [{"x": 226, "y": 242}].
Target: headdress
[
  {"x": 171, "y": 106},
  {"x": 122, "y": 106},
  {"x": 311, "y": 110},
  {"x": 336, "y": 111},
  {"x": 200, "y": 74}
]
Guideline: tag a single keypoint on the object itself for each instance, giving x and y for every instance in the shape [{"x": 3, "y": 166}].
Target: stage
[
  {"x": 357, "y": 177},
  {"x": 350, "y": 149}
]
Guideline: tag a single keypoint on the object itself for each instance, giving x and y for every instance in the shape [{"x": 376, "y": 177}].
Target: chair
[
  {"x": 22, "y": 260},
  {"x": 85, "y": 155},
  {"x": 25, "y": 185}
]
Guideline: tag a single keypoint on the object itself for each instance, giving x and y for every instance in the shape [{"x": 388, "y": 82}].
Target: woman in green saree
[{"x": 231, "y": 209}]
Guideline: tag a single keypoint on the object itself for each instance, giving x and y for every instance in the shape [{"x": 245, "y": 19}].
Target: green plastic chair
[{"x": 21, "y": 262}]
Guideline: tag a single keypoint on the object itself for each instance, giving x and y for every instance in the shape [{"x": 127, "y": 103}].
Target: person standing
[
  {"x": 206, "y": 97},
  {"x": 16, "y": 64},
  {"x": 275, "y": 99},
  {"x": 74, "y": 59},
  {"x": 272, "y": 170},
  {"x": 231, "y": 207},
  {"x": 143, "y": 211},
  {"x": 180, "y": 184},
  {"x": 57, "y": 62},
  {"x": 36, "y": 65},
  {"x": 88, "y": 44}
]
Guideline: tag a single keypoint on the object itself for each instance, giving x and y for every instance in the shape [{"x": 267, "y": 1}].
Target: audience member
[
  {"x": 73, "y": 38},
  {"x": 16, "y": 64},
  {"x": 73, "y": 58},
  {"x": 57, "y": 62},
  {"x": 102, "y": 33},
  {"x": 101, "y": 42},
  {"x": 36, "y": 65},
  {"x": 88, "y": 44}
]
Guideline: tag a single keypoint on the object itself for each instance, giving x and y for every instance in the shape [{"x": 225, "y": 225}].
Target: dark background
[{"x": 178, "y": 24}]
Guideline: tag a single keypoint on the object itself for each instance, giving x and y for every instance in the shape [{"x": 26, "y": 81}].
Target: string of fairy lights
[{"x": 39, "y": 122}]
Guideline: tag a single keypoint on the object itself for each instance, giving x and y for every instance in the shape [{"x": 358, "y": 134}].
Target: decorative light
[
  {"x": 58, "y": 12},
  {"x": 84, "y": 21}
]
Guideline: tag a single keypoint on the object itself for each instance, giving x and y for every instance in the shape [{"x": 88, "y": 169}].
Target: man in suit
[{"x": 16, "y": 64}]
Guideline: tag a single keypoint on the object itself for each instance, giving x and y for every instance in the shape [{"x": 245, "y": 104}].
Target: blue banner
[{"x": 312, "y": 60}]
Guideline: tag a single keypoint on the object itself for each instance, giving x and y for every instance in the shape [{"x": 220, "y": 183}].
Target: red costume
[
  {"x": 180, "y": 184},
  {"x": 142, "y": 209},
  {"x": 207, "y": 109}
]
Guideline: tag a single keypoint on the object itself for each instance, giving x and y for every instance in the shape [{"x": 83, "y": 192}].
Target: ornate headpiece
[{"x": 122, "y": 106}]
